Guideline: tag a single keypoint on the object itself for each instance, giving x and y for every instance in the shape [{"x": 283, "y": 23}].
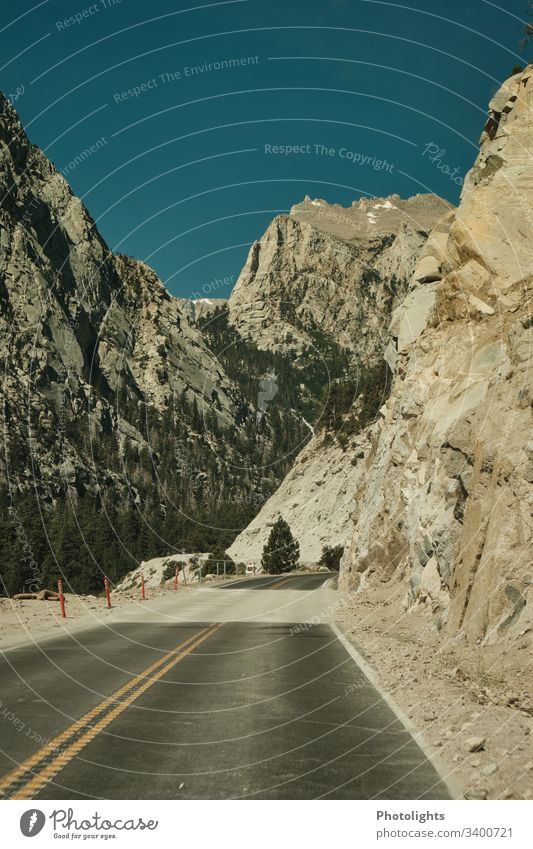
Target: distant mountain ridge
[
  {"x": 369, "y": 218},
  {"x": 136, "y": 423},
  {"x": 122, "y": 433},
  {"x": 433, "y": 500}
]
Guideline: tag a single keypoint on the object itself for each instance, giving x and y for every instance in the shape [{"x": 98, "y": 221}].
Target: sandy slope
[
  {"x": 451, "y": 691},
  {"x": 23, "y": 621}
]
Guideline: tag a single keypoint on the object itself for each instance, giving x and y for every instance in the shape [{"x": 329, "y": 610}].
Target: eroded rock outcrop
[{"x": 446, "y": 506}]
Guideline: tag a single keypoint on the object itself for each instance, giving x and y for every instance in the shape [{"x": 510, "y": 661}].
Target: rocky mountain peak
[
  {"x": 441, "y": 484},
  {"x": 332, "y": 271},
  {"x": 369, "y": 218}
]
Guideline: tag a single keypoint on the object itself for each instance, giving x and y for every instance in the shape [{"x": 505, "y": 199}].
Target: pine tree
[
  {"x": 9, "y": 566},
  {"x": 218, "y": 558},
  {"x": 196, "y": 418},
  {"x": 331, "y": 557},
  {"x": 282, "y": 551}
]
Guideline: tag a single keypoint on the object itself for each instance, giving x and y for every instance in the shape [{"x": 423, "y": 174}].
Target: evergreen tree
[
  {"x": 10, "y": 579},
  {"x": 528, "y": 29},
  {"x": 331, "y": 557},
  {"x": 196, "y": 418},
  {"x": 218, "y": 558},
  {"x": 282, "y": 551}
]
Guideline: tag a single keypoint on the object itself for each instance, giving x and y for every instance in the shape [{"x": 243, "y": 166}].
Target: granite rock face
[
  {"x": 316, "y": 498},
  {"x": 441, "y": 484},
  {"x": 446, "y": 505},
  {"x": 89, "y": 340},
  {"x": 340, "y": 273}
]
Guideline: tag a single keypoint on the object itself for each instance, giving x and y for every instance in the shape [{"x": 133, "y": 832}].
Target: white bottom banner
[{"x": 262, "y": 825}]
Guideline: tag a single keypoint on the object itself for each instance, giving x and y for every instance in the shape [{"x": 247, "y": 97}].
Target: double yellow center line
[
  {"x": 280, "y": 583},
  {"x": 29, "y": 777}
]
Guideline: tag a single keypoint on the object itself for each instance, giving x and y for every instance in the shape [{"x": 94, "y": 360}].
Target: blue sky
[{"x": 186, "y": 170}]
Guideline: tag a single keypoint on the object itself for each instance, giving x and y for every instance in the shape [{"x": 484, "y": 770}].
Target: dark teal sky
[{"x": 180, "y": 177}]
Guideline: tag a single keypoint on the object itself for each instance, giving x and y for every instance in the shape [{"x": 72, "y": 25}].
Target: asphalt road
[
  {"x": 205, "y": 694},
  {"x": 279, "y": 582}
]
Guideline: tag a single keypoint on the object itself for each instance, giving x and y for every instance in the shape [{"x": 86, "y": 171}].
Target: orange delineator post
[
  {"x": 107, "y": 593},
  {"x": 176, "y": 578},
  {"x": 61, "y": 598},
  {"x": 142, "y": 587}
]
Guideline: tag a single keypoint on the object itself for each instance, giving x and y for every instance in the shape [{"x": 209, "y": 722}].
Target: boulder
[
  {"x": 475, "y": 744},
  {"x": 428, "y": 269}
]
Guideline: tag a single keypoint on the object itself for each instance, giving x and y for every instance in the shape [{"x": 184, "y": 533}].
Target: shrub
[
  {"x": 218, "y": 558},
  {"x": 331, "y": 557},
  {"x": 170, "y": 569}
]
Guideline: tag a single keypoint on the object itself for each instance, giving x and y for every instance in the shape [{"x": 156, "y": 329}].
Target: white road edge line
[{"x": 416, "y": 734}]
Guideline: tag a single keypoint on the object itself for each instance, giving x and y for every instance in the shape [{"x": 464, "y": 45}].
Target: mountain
[
  {"x": 122, "y": 433},
  {"x": 199, "y": 308},
  {"x": 446, "y": 505},
  {"x": 136, "y": 423},
  {"x": 319, "y": 290},
  {"x": 324, "y": 273},
  {"x": 440, "y": 486}
]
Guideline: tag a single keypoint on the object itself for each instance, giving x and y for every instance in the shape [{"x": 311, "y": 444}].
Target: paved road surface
[
  {"x": 279, "y": 582},
  {"x": 209, "y": 693}
]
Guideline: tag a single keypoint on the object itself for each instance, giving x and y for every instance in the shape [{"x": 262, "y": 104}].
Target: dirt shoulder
[
  {"x": 473, "y": 705},
  {"x": 458, "y": 696},
  {"x": 23, "y": 621}
]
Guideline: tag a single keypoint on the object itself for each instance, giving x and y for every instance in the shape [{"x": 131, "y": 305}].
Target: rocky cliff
[
  {"x": 88, "y": 338},
  {"x": 325, "y": 272},
  {"x": 445, "y": 508},
  {"x": 111, "y": 399},
  {"x": 316, "y": 498},
  {"x": 320, "y": 288},
  {"x": 441, "y": 484}
]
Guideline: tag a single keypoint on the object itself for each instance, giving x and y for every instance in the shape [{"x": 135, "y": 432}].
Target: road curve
[
  {"x": 206, "y": 694},
  {"x": 310, "y": 581}
]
